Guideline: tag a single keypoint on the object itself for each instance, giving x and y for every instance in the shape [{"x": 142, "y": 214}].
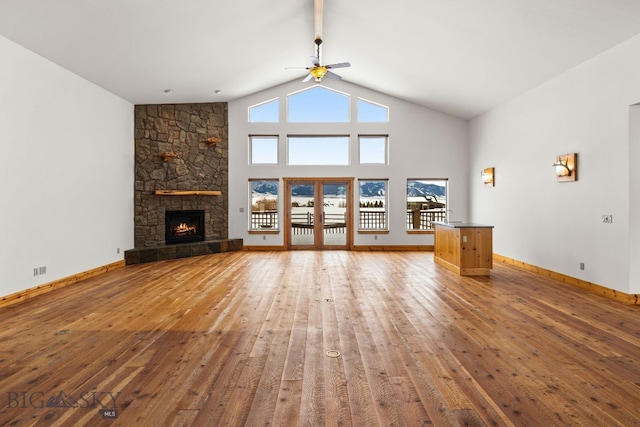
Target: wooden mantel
[{"x": 188, "y": 193}]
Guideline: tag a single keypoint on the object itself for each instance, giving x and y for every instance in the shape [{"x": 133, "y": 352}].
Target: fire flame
[{"x": 183, "y": 229}]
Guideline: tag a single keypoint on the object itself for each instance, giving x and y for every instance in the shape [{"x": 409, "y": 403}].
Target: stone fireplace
[{"x": 181, "y": 164}]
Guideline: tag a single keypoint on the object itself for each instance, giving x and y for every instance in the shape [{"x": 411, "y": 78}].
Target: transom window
[
  {"x": 318, "y": 105},
  {"x": 263, "y": 149},
  {"x": 266, "y": 112},
  {"x": 370, "y": 112},
  {"x": 318, "y": 150},
  {"x": 372, "y": 149}
]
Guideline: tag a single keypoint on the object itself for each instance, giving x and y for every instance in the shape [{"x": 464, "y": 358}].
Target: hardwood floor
[{"x": 245, "y": 338}]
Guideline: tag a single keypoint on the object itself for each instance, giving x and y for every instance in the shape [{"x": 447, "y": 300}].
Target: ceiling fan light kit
[{"x": 318, "y": 73}]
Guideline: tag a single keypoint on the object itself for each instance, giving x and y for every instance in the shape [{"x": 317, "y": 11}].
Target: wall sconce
[
  {"x": 488, "y": 177},
  {"x": 566, "y": 167}
]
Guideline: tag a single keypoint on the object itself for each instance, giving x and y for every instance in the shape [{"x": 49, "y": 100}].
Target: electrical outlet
[
  {"x": 118, "y": 250},
  {"x": 36, "y": 271},
  {"x": 607, "y": 219},
  {"x": 582, "y": 266}
]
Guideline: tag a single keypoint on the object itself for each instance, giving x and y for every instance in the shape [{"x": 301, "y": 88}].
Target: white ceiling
[{"x": 462, "y": 57}]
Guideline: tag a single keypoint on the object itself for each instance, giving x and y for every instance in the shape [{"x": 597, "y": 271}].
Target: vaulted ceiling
[{"x": 462, "y": 57}]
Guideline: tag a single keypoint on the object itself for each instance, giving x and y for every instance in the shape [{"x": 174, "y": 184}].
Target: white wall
[
  {"x": 66, "y": 170},
  {"x": 423, "y": 143},
  {"x": 558, "y": 225},
  {"x": 634, "y": 199}
]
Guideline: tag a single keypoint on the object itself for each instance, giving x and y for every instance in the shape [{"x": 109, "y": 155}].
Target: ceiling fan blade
[
  {"x": 333, "y": 75},
  {"x": 306, "y": 79},
  {"x": 296, "y": 68},
  {"x": 315, "y": 61},
  {"x": 339, "y": 65}
]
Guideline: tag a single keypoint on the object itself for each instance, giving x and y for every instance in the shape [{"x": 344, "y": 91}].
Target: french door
[{"x": 319, "y": 214}]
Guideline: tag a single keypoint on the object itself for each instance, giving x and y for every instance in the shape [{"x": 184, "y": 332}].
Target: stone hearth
[{"x": 184, "y": 250}]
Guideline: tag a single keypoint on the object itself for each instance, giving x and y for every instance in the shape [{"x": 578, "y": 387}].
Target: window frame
[
  {"x": 374, "y": 230},
  {"x": 262, "y": 104},
  {"x": 316, "y": 111},
  {"x": 372, "y": 136},
  {"x": 375, "y": 104},
  {"x": 437, "y": 213},
  {"x": 273, "y": 221},
  {"x": 264, "y": 137},
  {"x": 347, "y": 149}
]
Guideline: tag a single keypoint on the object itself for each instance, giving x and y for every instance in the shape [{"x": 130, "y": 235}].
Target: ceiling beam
[{"x": 317, "y": 18}]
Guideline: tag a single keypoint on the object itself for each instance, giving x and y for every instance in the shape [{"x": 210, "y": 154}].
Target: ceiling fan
[{"x": 318, "y": 71}]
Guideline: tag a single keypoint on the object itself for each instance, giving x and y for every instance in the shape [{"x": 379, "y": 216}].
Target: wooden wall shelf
[
  {"x": 188, "y": 193},
  {"x": 166, "y": 155}
]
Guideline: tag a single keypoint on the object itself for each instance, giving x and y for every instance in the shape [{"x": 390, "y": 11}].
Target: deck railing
[
  {"x": 302, "y": 223},
  {"x": 264, "y": 219},
  {"x": 372, "y": 220},
  {"x": 368, "y": 220},
  {"x": 424, "y": 219}
]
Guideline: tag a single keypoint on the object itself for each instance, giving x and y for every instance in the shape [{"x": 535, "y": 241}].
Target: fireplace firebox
[{"x": 184, "y": 226}]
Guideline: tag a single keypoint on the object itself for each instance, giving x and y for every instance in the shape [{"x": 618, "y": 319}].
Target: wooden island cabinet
[{"x": 463, "y": 247}]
